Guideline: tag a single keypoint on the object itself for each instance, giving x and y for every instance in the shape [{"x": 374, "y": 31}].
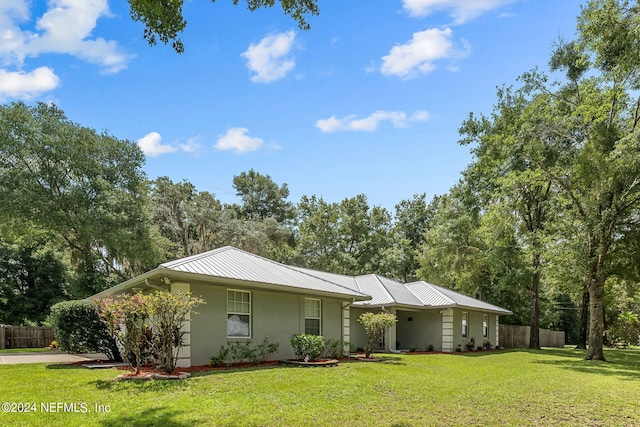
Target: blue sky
[{"x": 368, "y": 101}]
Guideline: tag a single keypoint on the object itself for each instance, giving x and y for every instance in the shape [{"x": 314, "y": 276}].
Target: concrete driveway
[{"x": 48, "y": 357}]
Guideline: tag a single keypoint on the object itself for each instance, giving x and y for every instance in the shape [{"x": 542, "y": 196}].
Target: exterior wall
[
  {"x": 275, "y": 315},
  {"x": 358, "y": 336},
  {"x": 419, "y": 329},
  {"x": 475, "y": 319}
]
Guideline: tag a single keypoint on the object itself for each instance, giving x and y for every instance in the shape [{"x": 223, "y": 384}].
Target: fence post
[{"x": 2, "y": 337}]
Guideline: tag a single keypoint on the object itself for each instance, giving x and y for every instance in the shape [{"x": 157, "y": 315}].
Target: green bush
[
  {"x": 78, "y": 329},
  {"x": 334, "y": 348},
  {"x": 242, "y": 352},
  {"x": 375, "y": 325},
  {"x": 307, "y": 347}
]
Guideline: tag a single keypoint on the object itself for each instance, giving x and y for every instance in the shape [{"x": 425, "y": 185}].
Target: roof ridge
[
  {"x": 289, "y": 267},
  {"x": 432, "y": 287},
  {"x": 385, "y": 288},
  {"x": 181, "y": 261}
]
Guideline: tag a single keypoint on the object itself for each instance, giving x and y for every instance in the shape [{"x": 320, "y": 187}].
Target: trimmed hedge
[{"x": 78, "y": 329}]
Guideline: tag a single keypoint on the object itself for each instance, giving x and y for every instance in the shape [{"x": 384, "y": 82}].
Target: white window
[
  {"x": 465, "y": 325},
  {"x": 485, "y": 326},
  {"x": 312, "y": 316},
  {"x": 238, "y": 314}
]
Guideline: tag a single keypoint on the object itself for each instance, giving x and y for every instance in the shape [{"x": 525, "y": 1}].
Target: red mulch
[{"x": 151, "y": 369}]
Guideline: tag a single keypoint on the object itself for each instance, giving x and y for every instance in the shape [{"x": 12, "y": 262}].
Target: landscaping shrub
[
  {"x": 124, "y": 317},
  {"x": 374, "y": 326},
  {"x": 307, "y": 347},
  {"x": 78, "y": 329},
  {"x": 168, "y": 313},
  {"x": 334, "y": 348},
  {"x": 240, "y": 352}
]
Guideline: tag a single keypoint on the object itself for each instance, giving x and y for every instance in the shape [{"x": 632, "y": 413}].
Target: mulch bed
[{"x": 147, "y": 370}]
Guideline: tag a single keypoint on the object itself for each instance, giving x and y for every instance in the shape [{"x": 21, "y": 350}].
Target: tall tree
[
  {"x": 262, "y": 198},
  {"x": 164, "y": 21},
  {"x": 85, "y": 189},
  {"x": 32, "y": 279},
  {"x": 505, "y": 180}
]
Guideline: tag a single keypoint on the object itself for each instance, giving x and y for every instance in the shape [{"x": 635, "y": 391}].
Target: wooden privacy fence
[
  {"x": 518, "y": 337},
  {"x": 25, "y": 336}
]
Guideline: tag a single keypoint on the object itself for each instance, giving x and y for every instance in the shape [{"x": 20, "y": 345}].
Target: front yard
[{"x": 549, "y": 387}]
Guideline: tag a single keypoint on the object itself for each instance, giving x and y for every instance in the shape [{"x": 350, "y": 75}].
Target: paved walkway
[{"x": 48, "y": 357}]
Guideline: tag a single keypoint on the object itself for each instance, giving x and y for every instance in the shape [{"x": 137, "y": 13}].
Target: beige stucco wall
[
  {"x": 424, "y": 328},
  {"x": 475, "y": 328},
  {"x": 275, "y": 315}
]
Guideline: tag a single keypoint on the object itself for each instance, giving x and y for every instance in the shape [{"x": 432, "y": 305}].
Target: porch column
[
  {"x": 447, "y": 330},
  {"x": 497, "y": 343},
  {"x": 390, "y": 335},
  {"x": 184, "y": 356},
  {"x": 346, "y": 328}
]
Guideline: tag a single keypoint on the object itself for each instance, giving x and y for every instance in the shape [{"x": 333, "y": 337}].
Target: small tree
[
  {"x": 374, "y": 326},
  {"x": 78, "y": 329},
  {"x": 168, "y": 313},
  {"x": 124, "y": 317}
]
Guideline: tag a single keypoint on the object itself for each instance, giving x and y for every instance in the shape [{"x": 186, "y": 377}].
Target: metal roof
[
  {"x": 368, "y": 290},
  {"x": 232, "y": 263}
]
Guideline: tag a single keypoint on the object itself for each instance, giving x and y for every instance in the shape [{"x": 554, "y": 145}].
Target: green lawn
[
  {"x": 25, "y": 350},
  {"x": 548, "y": 387}
]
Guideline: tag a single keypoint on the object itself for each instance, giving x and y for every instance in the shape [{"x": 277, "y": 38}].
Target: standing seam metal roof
[{"x": 232, "y": 263}]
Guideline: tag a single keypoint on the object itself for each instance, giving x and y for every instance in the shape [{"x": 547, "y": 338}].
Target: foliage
[
  {"x": 307, "y": 347},
  {"x": 375, "y": 324},
  {"x": 166, "y": 21},
  {"x": 262, "y": 198},
  {"x": 84, "y": 190},
  {"x": 244, "y": 351},
  {"x": 625, "y": 331},
  {"x": 32, "y": 279},
  {"x": 124, "y": 316},
  {"x": 334, "y": 348},
  {"x": 78, "y": 329},
  {"x": 168, "y": 313}
]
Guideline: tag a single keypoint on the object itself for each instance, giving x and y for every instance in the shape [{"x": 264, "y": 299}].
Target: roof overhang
[{"x": 165, "y": 276}]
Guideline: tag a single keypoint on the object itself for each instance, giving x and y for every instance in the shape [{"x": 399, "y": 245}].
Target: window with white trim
[
  {"x": 485, "y": 326},
  {"x": 312, "y": 316},
  {"x": 238, "y": 314},
  {"x": 465, "y": 324}
]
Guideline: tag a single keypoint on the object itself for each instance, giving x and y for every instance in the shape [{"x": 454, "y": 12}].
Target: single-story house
[{"x": 249, "y": 297}]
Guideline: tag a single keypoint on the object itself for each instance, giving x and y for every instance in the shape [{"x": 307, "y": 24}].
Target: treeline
[{"x": 544, "y": 221}]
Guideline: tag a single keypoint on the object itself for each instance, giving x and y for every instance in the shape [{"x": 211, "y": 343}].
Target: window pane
[
  {"x": 312, "y": 326},
  {"x": 312, "y": 308},
  {"x": 237, "y": 325}
]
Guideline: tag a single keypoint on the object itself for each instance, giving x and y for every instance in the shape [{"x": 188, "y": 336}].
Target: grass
[
  {"x": 552, "y": 386},
  {"x": 25, "y": 350}
]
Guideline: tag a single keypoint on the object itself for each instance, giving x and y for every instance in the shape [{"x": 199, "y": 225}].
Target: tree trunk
[
  {"x": 596, "y": 324},
  {"x": 534, "y": 321},
  {"x": 584, "y": 320}
]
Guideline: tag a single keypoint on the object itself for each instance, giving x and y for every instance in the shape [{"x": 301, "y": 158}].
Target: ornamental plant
[
  {"x": 307, "y": 347},
  {"x": 124, "y": 317},
  {"x": 168, "y": 313},
  {"x": 375, "y": 325}
]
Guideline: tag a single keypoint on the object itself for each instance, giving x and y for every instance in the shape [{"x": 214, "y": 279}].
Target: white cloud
[
  {"x": 65, "y": 28},
  {"x": 192, "y": 145},
  {"x": 19, "y": 84},
  {"x": 460, "y": 10},
  {"x": 418, "y": 55},
  {"x": 151, "y": 145},
  {"x": 269, "y": 60},
  {"x": 237, "y": 139},
  {"x": 399, "y": 119}
]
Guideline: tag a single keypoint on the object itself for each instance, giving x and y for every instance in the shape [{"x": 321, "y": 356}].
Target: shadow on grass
[
  {"x": 149, "y": 417},
  {"x": 622, "y": 363}
]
